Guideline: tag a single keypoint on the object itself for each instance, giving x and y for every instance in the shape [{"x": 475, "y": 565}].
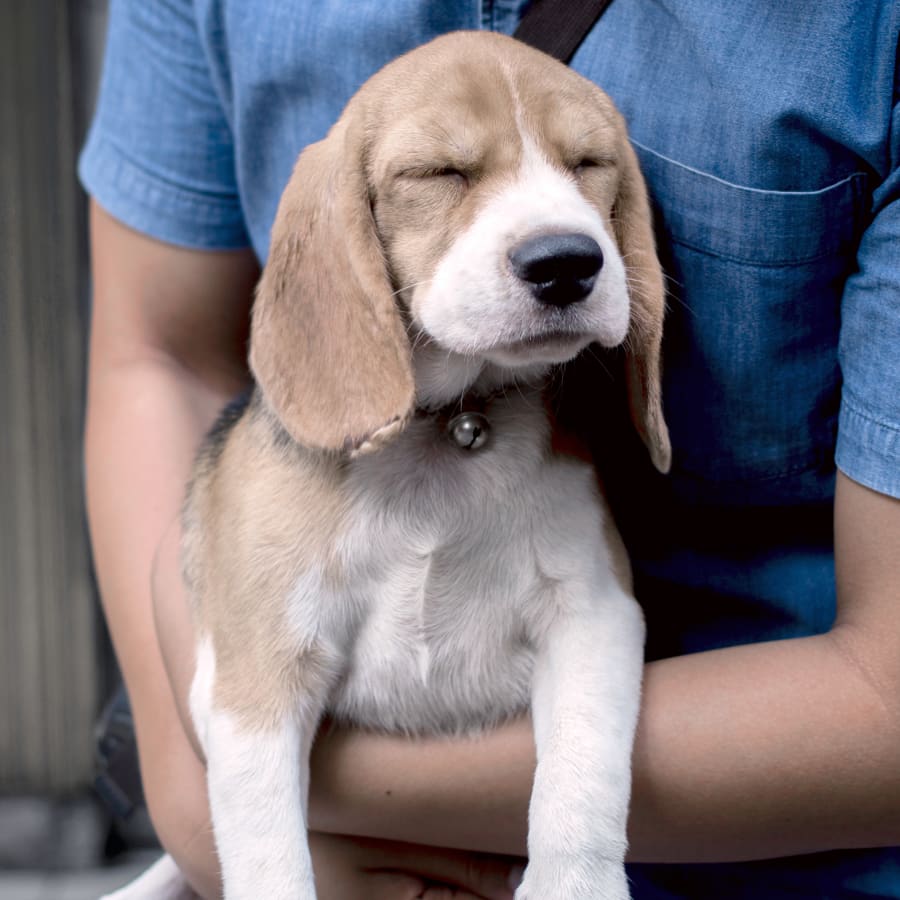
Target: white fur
[
  {"x": 258, "y": 790},
  {"x": 475, "y": 305},
  {"x": 256, "y": 842}
]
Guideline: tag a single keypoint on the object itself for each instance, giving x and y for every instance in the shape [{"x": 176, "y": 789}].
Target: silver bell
[{"x": 469, "y": 430}]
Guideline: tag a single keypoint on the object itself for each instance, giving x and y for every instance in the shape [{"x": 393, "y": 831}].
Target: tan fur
[
  {"x": 270, "y": 511},
  {"x": 327, "y": 347},
  {"x": 634, "y": 233}
]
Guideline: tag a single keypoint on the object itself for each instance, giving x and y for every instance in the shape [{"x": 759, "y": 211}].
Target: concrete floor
[
  {"x": 87, "y": 884},
  {"x": 54, "y": 849}
]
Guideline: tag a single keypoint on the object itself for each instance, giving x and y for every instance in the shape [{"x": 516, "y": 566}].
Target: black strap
[{"x": 559, "y": 26}]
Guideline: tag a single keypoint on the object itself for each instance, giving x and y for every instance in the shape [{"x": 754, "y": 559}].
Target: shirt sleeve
[
  {"x": 868, "y": 445},
  {"x": 160, "y": 155}
]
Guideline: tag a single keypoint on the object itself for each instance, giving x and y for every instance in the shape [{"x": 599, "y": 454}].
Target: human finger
[{"x": 477, "y": 874}]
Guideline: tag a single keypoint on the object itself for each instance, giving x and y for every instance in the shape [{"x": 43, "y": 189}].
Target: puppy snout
[{"x": 558, "y": 269}]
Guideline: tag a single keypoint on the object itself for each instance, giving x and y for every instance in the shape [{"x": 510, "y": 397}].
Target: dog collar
[
  {"x": 465, "y": 422},
  {"x": 469, "y": 429}
]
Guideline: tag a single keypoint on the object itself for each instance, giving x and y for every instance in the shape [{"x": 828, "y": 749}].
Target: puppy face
[
  {"x": 495, "y": 213},
  {"x": 475, "y": 193}
]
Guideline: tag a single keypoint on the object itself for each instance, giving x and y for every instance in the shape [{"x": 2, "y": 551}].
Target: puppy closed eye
[
  {"x": 440, "y": 174},
  {"x": 591, "y": 164},
  {"x": 420, "y": 191}
]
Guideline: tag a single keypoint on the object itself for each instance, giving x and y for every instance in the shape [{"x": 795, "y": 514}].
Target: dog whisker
[{"x": 412, "y": 286}]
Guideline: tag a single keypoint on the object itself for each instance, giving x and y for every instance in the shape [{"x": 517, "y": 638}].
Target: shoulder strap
[{"x": 559, "y": 26}]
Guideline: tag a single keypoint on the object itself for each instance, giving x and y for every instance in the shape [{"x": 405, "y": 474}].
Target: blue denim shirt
[{"x": 769, "y": 134}]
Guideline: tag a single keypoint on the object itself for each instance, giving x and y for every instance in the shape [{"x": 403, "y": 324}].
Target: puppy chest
[
  {"x": 441, "y": 646},
  {"x": 406, "y": 678}
]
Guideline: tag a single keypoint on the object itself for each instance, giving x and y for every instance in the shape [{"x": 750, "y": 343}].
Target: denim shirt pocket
[{"x": 752, "y": 383}]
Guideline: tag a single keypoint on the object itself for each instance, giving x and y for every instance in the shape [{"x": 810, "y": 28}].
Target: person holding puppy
[{"x": 768, "y": 749}]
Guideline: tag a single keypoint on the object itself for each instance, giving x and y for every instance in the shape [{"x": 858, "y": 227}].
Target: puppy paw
[{"x": 605, "y": 881}]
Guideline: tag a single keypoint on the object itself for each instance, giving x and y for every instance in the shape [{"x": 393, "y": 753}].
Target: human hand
[{"x": 348, "y": 868}]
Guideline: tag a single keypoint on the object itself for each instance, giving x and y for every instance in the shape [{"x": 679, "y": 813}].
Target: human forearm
[
  {"x": 748, "y": 752},
  {"x": 155, "y": 385},
  {"x": 144, "y": 422},
  {"x": 166, "y": 352},
  {"x": 764, "y": 750},
  {"x": 142, "y": 430}
]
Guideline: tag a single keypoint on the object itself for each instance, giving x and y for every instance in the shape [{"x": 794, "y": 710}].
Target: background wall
[{"x": 54, "y": 662}]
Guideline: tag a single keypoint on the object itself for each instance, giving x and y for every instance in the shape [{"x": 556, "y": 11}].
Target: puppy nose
[{"x": 559, "y": 268}]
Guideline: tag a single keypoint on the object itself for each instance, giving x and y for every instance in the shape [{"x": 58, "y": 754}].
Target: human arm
[
  {"x": 166, "y": 352},
  {"x": 748, "y": 752}
]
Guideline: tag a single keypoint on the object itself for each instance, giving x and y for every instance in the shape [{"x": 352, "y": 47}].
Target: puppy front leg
[
  {"x": 586, "y": 698},
  {"x": 258, "y": 782},
  {"x": 256, "y": 733}
]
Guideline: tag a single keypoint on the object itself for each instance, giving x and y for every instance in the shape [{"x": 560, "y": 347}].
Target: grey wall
[{"x": 52, "y": 651}]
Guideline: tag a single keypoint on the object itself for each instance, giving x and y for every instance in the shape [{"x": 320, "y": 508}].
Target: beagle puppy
[{"x": 382, "y": 531}]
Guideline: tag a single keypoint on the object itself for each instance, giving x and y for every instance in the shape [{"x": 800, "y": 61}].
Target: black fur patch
[{"x": 228, "y": 418}]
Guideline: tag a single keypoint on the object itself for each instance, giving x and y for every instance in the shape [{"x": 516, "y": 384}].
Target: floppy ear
[
  {"x": 328, "y": 347},
  {"x": 634, "y": 233}
]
